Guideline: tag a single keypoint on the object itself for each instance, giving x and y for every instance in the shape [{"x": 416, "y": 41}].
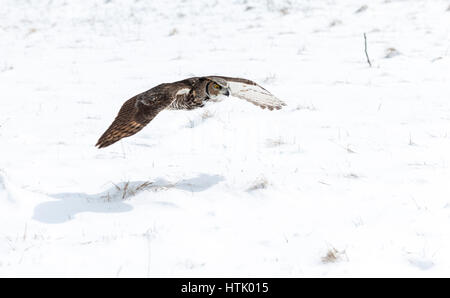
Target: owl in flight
[{"x": 187, "y": 94}]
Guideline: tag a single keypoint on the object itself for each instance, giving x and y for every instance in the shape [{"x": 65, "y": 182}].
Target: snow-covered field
[{"x": 351, "y": 178}]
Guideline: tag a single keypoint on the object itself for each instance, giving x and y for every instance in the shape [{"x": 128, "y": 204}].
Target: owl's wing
[
  {"x": 138, "y": 111},
  {"x": 252, "y": 92}
]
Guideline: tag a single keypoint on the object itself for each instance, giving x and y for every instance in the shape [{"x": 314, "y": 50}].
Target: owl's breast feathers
[{"x": 190, "y": 94}]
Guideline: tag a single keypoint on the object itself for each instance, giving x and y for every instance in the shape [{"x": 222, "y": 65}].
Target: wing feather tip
[
  {"x": 105, "y": 142},
  {"x": 101, "y": 145}
]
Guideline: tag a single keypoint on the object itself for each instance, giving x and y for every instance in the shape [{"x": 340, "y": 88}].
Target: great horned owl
[{"x": 187, "y": 94}]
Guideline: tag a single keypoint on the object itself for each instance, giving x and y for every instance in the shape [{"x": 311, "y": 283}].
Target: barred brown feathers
[{"x": 123, "y": 126}]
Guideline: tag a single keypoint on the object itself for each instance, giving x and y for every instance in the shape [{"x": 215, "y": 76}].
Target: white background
[{"x": 356, "y": 164}]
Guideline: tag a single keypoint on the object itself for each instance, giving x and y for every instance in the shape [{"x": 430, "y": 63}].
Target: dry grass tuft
[
  {"x": 6, "y": 67},
  {"x": 305, "y": 107},
  {"x": 207, "y": 114},
  {"x": 129, "y": 190},
  {"x": 270, "y": 79},
  {"x": 285, "y": 11},
  {"x": 351, "y": 176},
  {"x": 275, "y": 142},
  {"x": 191, "y": 123},
  {"x": 391, "y": 52},
  {"x": 333, "y": 255},
  {"x": 335, "y": 23},
  {"x": 362, "y": 8},
  {"x": 259, "y": 183},
  {"x": 173, "y": 32}
]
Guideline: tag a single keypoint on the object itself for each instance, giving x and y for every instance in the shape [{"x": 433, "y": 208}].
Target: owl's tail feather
[{"x": 123, "y": 126}]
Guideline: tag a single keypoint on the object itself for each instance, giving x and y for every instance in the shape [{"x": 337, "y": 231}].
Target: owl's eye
[{"x": 216, "y": 86}]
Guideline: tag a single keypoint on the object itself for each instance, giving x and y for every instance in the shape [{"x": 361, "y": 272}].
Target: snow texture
[{"x": 351, "y": 178}]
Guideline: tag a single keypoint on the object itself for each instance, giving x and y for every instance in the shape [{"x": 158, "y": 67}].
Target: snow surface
[{"x": 351, "y": 178}]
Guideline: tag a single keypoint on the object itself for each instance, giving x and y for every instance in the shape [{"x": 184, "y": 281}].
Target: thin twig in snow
[{"x": 365, "y": 50}]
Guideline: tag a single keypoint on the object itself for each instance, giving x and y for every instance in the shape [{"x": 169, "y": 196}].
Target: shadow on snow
[{"x": 114, "y": 199}]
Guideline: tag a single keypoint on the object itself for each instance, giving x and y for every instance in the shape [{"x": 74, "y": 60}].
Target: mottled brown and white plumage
[{"x": 187, "y": 94}]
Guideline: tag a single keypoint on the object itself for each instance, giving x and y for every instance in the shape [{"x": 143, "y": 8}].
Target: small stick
[{"x": 365, "y": 49}]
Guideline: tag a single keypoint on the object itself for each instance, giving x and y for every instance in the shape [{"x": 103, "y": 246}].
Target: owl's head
[{"x": 217, "y": 87}]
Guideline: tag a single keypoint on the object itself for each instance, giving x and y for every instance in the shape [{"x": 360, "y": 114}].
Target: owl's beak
[{"x": 227, "y": 92}]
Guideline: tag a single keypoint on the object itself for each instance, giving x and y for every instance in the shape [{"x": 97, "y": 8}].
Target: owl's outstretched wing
[
  {"x": 138, "y": 111},
  {"x": 252, "y": 92}
]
